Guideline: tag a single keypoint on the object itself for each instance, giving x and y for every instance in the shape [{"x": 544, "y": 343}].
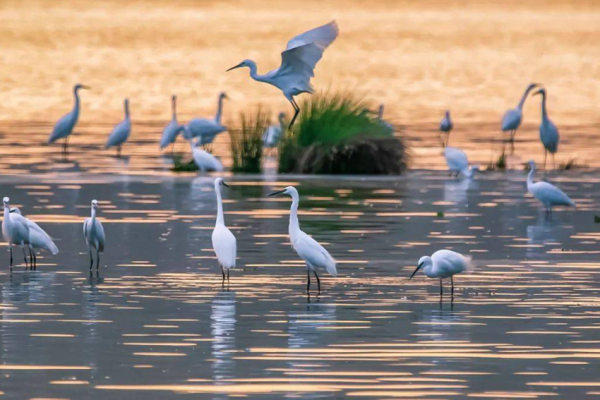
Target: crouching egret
[
  {"x": 458, "y": 163},
  {"x": 273, "y": 133},
  {"x": 548, "y": 194},
  {"x": 223, "y": 240},
  {"x": 446, "y": 127},
  {"x": 512, "y": 118},
  {"x": 94, "y": 235},
  {"x": 204, "y": 128},
  {"x": 38, "y": 239},
  {"x": 307, "y": 248},
  {"x": 173, "y": 129},
  {"x": 444, "y": 264},
  {"x": 204, "y": 160},
  {"x": 15, "y": 230},
  {"x": 64, "y": 127},
  {"x": 548, "y": 131},
  {"x": 121, "y": 132},
  {"x": 298, "y": 62}
]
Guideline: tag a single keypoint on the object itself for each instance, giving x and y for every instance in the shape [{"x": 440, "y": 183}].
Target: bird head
[
  {"x": 223, "y": 96},
  {"x": 245, "y": 63},
  {"x": 95, "y": 204},
  {"x": 80, "y": 86},
  {"x": 531, "y": 164},
  {"x": 220, "y": 181},
  {"x": 173, "y": 98},
  {"x": 447, "y": 113},
  {"x": 6, "y": 202},
  {"x": 15, "y": 210},
  {"x": 533, "y": 86},
  {"x": 288, "y": 190},
  {"x": 423, "y": 262},
  {"x": 541, "y": 91}
]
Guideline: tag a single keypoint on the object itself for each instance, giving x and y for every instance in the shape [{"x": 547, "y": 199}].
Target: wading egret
[
  {"x": 458, "y": 163},
  {"x": 94, "y": 235},
  {"x": 273, "y": 133},
  {"x": 512, "y": 118},
  {"x": 307, "y": 248},
  {"x": 204, "y": 160},
  {"x": 381, "y": 120},
  {"x": 206, "y": 129},
  {"x": 548, "y": 131},
  {"x": 548, "y": 194},
  {"x": 446, "y": 127},
  {"x": 169, "y": 135},
  {"x": 64, "y": 127},
  {"x": 298, "y": 62},
  {"x": 444, "y": 264},
  {"x": 223, "y": 240},
  {"x": 15, "y": 230},
  {"x": 120, "y": 133},
  {"x": 38, "y": 239}
]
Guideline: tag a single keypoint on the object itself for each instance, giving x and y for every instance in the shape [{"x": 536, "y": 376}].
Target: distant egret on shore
[
  {"x": 548, "y": 194},
  {"x": 94, "y": 236},
  {"x": 444, "y": 264},
  {"x": 223, "y": 241},
  {"x": 64, "y": 127},
  {"x": 15, "y": 230},
  {"x": 38, "y": 239},
  {"x": 548, "y": 131},
  {"x": 121, "y": 132},
  {"x": 298, "y": 62},
  {"x": 205, "y": 161},
  {"x": 446, "y": 127},
  {"x": 206, "y": 129},
  {"x": 307, "y": 248},
  {"x": 273, "y": 133},
  {"x": 172, "y": 130},
  {"x": 512, "y": 118},
  {"x": 458, "y": 163}
]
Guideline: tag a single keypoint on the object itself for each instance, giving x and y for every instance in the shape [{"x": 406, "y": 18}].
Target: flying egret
[
  {"x": 169, "y": 135},
  {"x": 444, "y": 264},
  {"x": 548, "y": 131},
  {"x": 548, "y": 194},
  {"x": 223, "y": 240},
  {"x": 64, "y": 127},
  {"x": 307, "y": 248},
  {"x": 512, "y": 118},
  {"x": 458, "y": 163},
  {"x": 204, "y": 128},
  {"x": 120, "y": 133},
  {"x": 14, "y": 229},
  {"x": 446, "y": 127},
  {"x": 298, "y": 62},
  {"x": 380, "y": 117},
  {"x": 273, "y": 133},
  {"x": 204, "y": 160},
  {"x": 38, "y": 239},
  {"x": 94, "y": 235}
]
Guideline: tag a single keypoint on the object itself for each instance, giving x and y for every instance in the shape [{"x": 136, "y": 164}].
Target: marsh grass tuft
[
  {"x": 179, "y": 165},
  {"x": 246, "y": 143},
  {"x": 499, "y": 164}
]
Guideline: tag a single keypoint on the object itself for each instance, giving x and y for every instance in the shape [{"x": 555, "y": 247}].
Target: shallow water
[{"x": 157, "y": 322}]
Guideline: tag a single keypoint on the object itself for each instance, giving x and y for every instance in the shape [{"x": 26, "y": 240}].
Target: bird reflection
[
  {"x": 545, "y": 231},
  {"x": 457, "y": 192},
  {"x": 223, "y": 333},
  {"x": 306, "y": 328}
]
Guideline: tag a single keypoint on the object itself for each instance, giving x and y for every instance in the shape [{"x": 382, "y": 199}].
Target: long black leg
[
  {"x": 441, "y": 290},
  {"x": 227, "y": 276},
  {"x": 34, "y": 259},
  {"x": 91, "y": 259},
  {"x": 318, "y": 282},
  {"x": 25, "y": 257},
  {"x": 223, "y": 273},
  {"x": 11, "y": 258},
  {"x": 97, "y": 260},
  {"x": 119, "y": 151},
  {"x": 545, "y": 156},
  {"x": 452, "y": 281},
  {"x": 307, "y": 280},
  {"x": 296, "y": 112}
]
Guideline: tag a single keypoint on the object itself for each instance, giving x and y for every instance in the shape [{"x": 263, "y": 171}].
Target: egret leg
[
  {"x": 452, "y": 291},
  {"x": 227, "y": 276},
  {"x": 11, "y": 258},
  {"x": 119, "y": 151},
  {"x": 25, "y": 257},
  {"x": 441, "y": 290},
  {"x": 318, "y": 282},
  {"x": 307, "y": 280},
  {"x": 65, "y": 145},
  {"x": 91, "y": 259},
  {"x": 296, "y": 111},
  {"x": 34, "y": 259},
  {"x": 223, "y": 273},
  {"x": 97, "y": 260},
  {"x": 553, "y": 162},
  {"x": 545, "y": 156}
]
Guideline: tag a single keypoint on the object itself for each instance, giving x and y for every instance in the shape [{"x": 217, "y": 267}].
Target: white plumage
[
  {"x": 548, "y": 131},
  {"x": 38, "y": 238},
  {"x": 458, "y": 163},
  {"x": 223, "y": 241},
  {"x": 298, "y": 62},
  {"x": 121, "y": 132},
  {"x": 443, "y": 264},
  {"x": 513, "y": 117},
  {"x": 64, "y": 127},
  {"x": 173, "y": 129},
  {"x": 307, "y": 248},
  {"x": 273, "y": 133},
  {"x": 548, "y": 194},
  {"x": 15, "y": 229},
  {"x": 94, "y": 235},
  {"x": 204, "y": 160},
  {"x": 206, "y": 129}
]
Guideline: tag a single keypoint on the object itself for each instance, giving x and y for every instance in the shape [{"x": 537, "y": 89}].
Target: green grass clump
[
  {"x": 246, "y": 143},
  {"x": 179, "y": 165},
  {"x": 570, "y": 164},
  {"x": 499, "y": 164}
]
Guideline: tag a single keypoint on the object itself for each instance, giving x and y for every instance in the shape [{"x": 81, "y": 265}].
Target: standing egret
[
  {"x": 381, "y": 120},
  {"x": 446, "y": 127},
  {"x": 548, "y": 194},
  {"x": 64, "y": 127},
  {"x": 204, "y": 160},
  {"x": 120, "y": 133},
  {"x": 223, "y": 240},
  {"x": 307, "y": 248},
  {"x": 444, "y": 264},
  {"x": 298, "y": 62},
  {"x": 273, "y": 133},
  {"x": 14, "y": 229},
  {"x": 512, "y": 118},
  {"x": 205, "y": 128},
  {"x": 458, "y": 162},
  {"x": 38, "y": 239},
  {"x": 94, "y": 235},
  {"x": 548, "y": 131},
  {"x": 173, "y": 129}
]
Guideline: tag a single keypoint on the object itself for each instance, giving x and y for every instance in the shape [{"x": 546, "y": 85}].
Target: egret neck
[
  {"x": 126, "y": 109},
  {"x": 522, "y": 102},
  {"x": 530, "y": 178},
  {"x": 174, "y": 108},
  {"x": 544, "y": 112},
  {"x": 76, "y": 106},
  {"x": 220, "y": 219},
  {"x": 7, "y": 222},
  {"x": 294, "y": 224},
  {"x": 219, "y": 110}
]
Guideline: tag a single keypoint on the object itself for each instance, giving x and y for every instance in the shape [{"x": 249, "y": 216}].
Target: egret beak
[
  {"x": 224, "y": 184},
  {"x": 538, "y": 92},
  {"x": 237, "y": 66},
  {"x": 415, "y": 271},
  {"x": 276, "y": 193},
  {"x": 86, "y": 87}
]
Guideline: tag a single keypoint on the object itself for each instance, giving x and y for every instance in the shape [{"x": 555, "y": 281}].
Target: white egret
[
  {"x": 169, "y": 135},
  {"x": 298, "y": 62},
  {"x": 273, "y": 133},
  {"x": 120, "y": 133},
  {"x": 548, "y": 194},
  {"x": 64, "y": 127},
  {"x": 307, "y": 248},
  {"x": 380, "y": 117},
  {"x": 94, "y": 235},
  {"x": 458, "y": 163},
  {"x": 15, "y": 230},
  {"x": 223, "y": 240},
  {"x": 446, "y": 127},
  {"x": 205, "y": 128},
  {"x": 512, "y": 118},
  {"x": 38, "y": 239},
  {"x": 548, "y": 131},
  {"x": 444, "y": 264},
  {"x": 204, "y": 160}
]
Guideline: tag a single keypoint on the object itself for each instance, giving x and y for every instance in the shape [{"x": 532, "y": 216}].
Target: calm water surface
[{"x": 157, "y": 322}]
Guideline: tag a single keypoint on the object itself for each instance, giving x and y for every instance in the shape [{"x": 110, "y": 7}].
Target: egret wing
[
  {"x": 548, "y": 193},
  {"x": 313, "y": 253},
  {"x": 119, "y": 135},
  {"x": 100, "y": 235},
  {"x": 225, "y": 246},
  {"x": 62, "y": 128},
  {"x": 322, "y": 36},
  {"x": 39, "y": 238},
  {"x": 511, "y": 120},
  {"x": 456, "y": 159}
]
